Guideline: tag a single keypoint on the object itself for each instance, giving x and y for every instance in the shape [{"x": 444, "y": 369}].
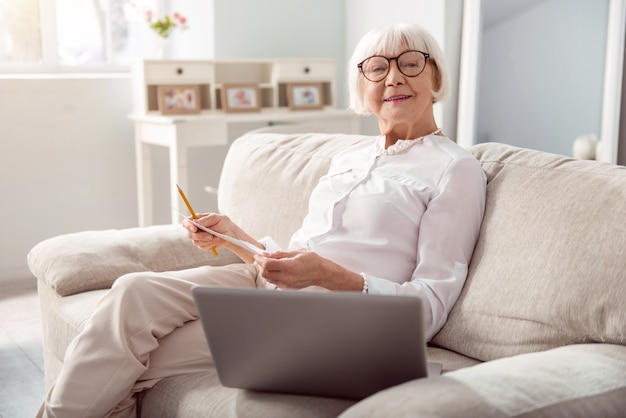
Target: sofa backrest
[{"x": 549, "y": 268}]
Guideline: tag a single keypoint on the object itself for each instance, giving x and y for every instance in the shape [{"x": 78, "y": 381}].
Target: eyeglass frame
[{"x": 425, "y": 54}]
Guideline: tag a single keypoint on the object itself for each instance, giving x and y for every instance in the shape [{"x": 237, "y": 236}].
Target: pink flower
[
  {"x": 180, "y": 18},
  {"x": 164, "y": 26}
]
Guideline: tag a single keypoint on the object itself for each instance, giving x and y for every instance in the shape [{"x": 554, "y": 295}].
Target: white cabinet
[
  {"x": 212, "y": 126},
  {"x": 160, "y": 72},
  {"x": 271, "y": 76}
]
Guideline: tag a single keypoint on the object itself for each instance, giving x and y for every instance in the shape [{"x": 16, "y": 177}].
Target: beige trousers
[{"x": 144, "y": 329}]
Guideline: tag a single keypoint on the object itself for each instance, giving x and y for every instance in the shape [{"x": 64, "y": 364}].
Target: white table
[{"x": 209, "y": 128}]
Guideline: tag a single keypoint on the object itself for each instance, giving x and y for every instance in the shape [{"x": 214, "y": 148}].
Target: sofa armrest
[
  {"x": 586, "y": 380},
  {"x": 91, "y": 260}
]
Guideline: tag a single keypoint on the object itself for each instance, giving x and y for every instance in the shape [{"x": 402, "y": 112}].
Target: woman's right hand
[
  {"x": 204, "y": 240},
  {"x": 222, "y": 224}
]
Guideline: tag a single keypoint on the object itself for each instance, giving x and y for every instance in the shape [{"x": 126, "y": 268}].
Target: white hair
[{"x": 385, "y": 41}]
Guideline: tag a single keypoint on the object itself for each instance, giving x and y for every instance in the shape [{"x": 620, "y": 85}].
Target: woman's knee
[{"x": 134, "y": 281}]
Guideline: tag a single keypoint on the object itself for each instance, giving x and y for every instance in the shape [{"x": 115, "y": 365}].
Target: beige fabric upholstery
[
  {"x": 449, "y": 359},
  {"x": 584, "y": 381},
  {"x": 549, "y": 268},
  {"x": 204, "y": 396},
  {"x": 197, "y": 395},
  {"x": 91, "y": 260},
  {"x": 62, "y": 319},
  {"x": 201, "y": 395}
]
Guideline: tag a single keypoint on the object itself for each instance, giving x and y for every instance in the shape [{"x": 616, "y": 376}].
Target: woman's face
[{"x": 402, "y": 104}]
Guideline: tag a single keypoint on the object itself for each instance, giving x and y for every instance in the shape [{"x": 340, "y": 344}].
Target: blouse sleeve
[{"x": 448, "y": 232}]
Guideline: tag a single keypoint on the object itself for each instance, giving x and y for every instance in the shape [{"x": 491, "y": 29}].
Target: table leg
[
  {"x": 178, "y": 175},
  {"x": 143, "y": 160}
]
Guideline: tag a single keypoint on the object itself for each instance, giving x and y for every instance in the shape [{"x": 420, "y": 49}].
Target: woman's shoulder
[
  {"x": 463, "y": 165},
  {"x": 454, "y": 159},
  {"x": 450, "y": 148}
]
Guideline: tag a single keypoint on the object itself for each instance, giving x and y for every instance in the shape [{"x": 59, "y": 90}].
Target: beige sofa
[{"x": 539, "y": 329}]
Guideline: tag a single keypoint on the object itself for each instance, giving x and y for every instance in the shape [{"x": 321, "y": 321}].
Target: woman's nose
[{"x": 394, "y": 77}]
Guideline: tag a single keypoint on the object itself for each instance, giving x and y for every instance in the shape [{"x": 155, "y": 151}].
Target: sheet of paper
[
  {"x": 242, "y": 244},
  {"x": 239, "y": 243}
]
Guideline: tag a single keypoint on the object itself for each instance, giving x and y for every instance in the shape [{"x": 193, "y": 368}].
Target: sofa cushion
[
  {"x": 290, "y": 164},
  {"x": 581, "y": 381},
  {"x": 449, "y": 359},
  {"x": 200, "y": 395},
  {"x": 62, "y": 319},
  {"x": 91, "y": 260},
  {"x": 549, "y": 268}
]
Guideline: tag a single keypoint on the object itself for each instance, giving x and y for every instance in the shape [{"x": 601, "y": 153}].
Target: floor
[{"x": 21, "y": 357}]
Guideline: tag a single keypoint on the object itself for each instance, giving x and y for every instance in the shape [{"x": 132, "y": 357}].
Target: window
[{"x": 66, "y": 35}]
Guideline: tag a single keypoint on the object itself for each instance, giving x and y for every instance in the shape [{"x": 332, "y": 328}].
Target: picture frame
[
  {"x": 305, "y": 96},
  {"x": 178, "y": 99},
  {"x": 242, "y": 97}
]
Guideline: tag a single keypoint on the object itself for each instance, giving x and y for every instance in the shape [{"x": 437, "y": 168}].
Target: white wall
[
  {"x": 541, "y": 77},
  {"x": 66, "y": 161},
  {"x": 363, "y": 15},
  {"x": 198, "y": 41}
]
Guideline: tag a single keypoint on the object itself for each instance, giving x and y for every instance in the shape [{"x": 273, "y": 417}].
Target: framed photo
[
  {"x": 305, "y": 96},
  {"x": 241, "y": 98},
  {"x": 178, "y": 99}
]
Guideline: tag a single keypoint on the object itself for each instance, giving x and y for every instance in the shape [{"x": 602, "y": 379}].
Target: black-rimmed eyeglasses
[{"x": 410, "y": 63}]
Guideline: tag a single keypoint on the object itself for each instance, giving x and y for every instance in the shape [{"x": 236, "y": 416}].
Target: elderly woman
[{"x": 398, "y": 214}]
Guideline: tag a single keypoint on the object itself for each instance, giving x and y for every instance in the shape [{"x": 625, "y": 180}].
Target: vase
[{"x": 163, "y": 49}]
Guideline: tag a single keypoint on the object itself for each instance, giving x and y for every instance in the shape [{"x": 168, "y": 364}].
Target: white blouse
[{"x": 409, "y": 221}]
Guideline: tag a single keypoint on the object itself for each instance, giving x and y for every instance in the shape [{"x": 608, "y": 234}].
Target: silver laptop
[{"x": 332, "y": 344}]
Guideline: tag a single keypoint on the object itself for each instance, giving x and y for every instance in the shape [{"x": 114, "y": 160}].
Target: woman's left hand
[{"x": 300, "y": 269}]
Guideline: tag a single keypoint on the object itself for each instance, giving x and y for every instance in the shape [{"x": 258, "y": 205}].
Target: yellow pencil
[{"x": 193, "y": 213}]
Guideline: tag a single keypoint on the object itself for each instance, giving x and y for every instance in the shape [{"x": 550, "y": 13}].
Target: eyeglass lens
[{"x": 410, "y": 63}]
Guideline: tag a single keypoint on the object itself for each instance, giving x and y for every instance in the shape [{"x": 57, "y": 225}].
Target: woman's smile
[{"x": 397, "y": 98}]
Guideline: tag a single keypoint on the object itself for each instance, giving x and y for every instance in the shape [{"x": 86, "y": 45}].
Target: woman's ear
[
  {"x": 436, "y": 77},
  {"x": 436, "y": 80}
]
